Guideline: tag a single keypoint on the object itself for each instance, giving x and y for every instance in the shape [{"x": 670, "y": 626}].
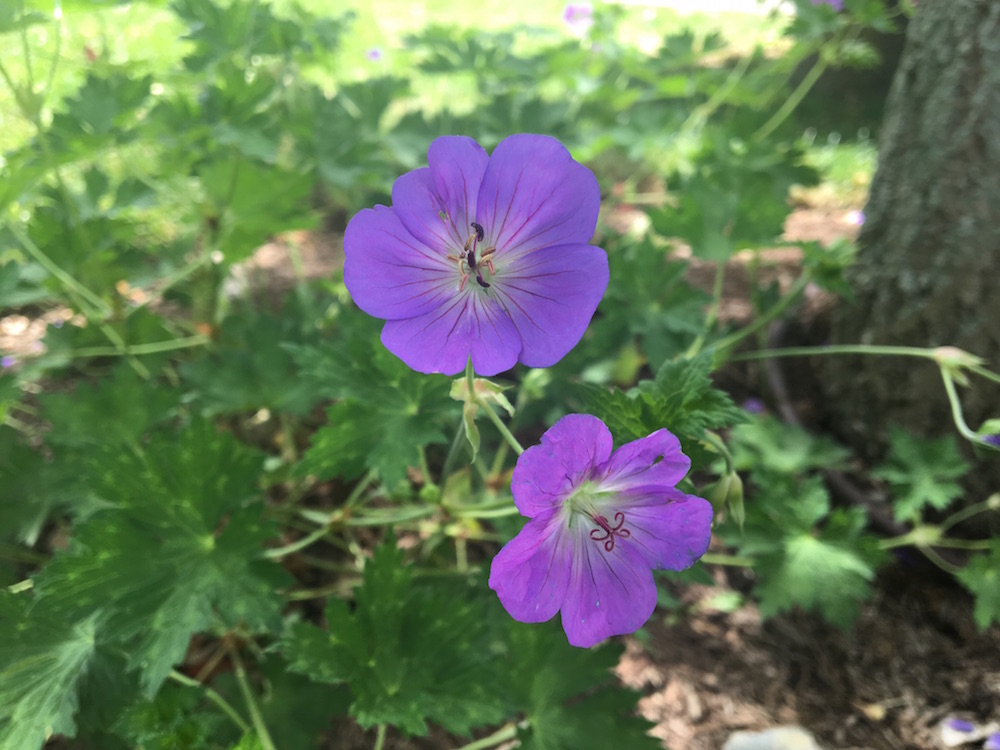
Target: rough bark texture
[{"x": 929, "y": 261}]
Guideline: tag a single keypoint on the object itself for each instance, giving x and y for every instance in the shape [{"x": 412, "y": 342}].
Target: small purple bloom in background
[
  {"x": 993, "y": 440},
  {"x": 754, "y": 406},
  {"x": 7, "y": 361},
  {"x": 837, "y": 5},
  {"x": 481, "y": 256},
  {"x": 857, "y": 218},
  {"x": 579, "y": 16},
  {"x": 960, "y": 725},
  {"x": 601, "y": 522},
  {"x": 992, "y": 742},
  {"x": 374, "y": 54}
]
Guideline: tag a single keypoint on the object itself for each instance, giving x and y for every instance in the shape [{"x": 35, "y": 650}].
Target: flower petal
[
  {"x": 531, "y": 572},
  {"x": 437, "y": 203},
  {"x": 546, "y": 473},
  {"x": 609, "y": 593},
  {"x": 655, "y": 460},
  {"x": 389, "y": 273},
  {"x": 443, "y": 339},
  {"x": 534, "y": 195},
  {"x": 551, "y": 295},
  {"x": 669, "y": 530}
]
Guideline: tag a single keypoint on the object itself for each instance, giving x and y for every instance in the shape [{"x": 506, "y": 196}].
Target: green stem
[
  {"x": 935, "y": 558},
  {"x": 53, "y": 268},
  {"x": 502, "y": 428},
  {"x": 713, "y": 310},
  {"x": 983, "y": 372},
  {"x": 156, "y": 347},
  {"x": 213, "y": 696},
  {"x": 506, "y": 733},
  {"x": 380, "y": 736},
  {"x": 255, "y": 716},
  {"x": 965, "y": 513},
  {"x": 700, "y": 114},
  {"x": 716, "y": 442},
  {"x": 734, "y": 560},
  {"x": 956, "y": 408},
  {"x": 277, "y": 553},
  {"x": 26, "y": 51},
  {"x": 836, "y": 349},
  {"x": 760, "y": 322},
  {"x": 21, "y": 586},
  {"x": 793, "y": 100}
]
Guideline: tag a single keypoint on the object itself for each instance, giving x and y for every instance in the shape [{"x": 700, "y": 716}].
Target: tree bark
[{"x": 928, "y": 267}]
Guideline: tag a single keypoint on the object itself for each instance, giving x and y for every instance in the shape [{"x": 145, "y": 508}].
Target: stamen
[
  {"x": 609, "y": 530},
  {"x": 479, "y": 231}
]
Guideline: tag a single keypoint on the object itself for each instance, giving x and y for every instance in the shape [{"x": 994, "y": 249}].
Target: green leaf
[
  {"x": 42, "y": 661},
  {"x": 982, "y": 577},
  {"x": 767, "y": 447},
  {"x": 680, "y": 398},
  {"x": 251, "y": 366},
  {"x": 385, "y": 414},
  {"x": 569, "y": 696},
  {"x": 124, "y": 405},
  {"x": 169, "y": 721},
  {"x": 178, "y": 551},
  {"x": 411, "y": 650},
  {"x": 921, "y": 472},
  {"x": 248, "y": 215},
  {"x": 826, "y": 569}
]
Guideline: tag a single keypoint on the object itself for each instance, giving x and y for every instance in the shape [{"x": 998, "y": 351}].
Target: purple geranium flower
[
  {"x": 8, "y": 360},
  {"x": 481, "y": 256},
  {"x": 993, "y": 440},
  {"x": 579, "y": 16},
  {"x": 992, "y": 742},
  {"x": 601, "y": 522},
  {"x": 837, "y": 5},
  {"x": 960, "y": 725}
]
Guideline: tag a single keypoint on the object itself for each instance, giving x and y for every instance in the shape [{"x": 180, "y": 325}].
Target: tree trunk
[{"x": 928, "y": 268}]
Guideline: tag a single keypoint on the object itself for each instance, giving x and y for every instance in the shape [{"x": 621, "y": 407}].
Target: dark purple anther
[
  {"x": 479, "y": 231},
  {"x": 479, "y": 280}
]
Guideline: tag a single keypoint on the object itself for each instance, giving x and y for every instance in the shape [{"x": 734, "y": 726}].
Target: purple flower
[
  {"x": 7, "y": 361},
  {"x": 837, "y": 5},
  {"x": 993, "y": 440},
  {"x": 857, "y": 218},
  {"x": 992, "y": 742},
  {"x": 601, "y": 522},
  {"x": 754, "y": 406},
  {"x": 579, "y": 16},
  {"x": 960, "y": 725},
  {"x": 481, "y": 256},
  {"x": 374, "y": 54}
]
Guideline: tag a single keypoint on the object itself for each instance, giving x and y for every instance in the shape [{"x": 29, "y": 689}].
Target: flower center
[
  {"x": 469, "y": 263},
  {"x": 585, "y": 502},
  {"x": 609, "y": 531}
]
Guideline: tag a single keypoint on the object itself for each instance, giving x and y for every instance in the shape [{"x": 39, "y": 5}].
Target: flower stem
[
  {"x": 501, "y": 427},
  {"x": 504, "y": 734},
  {"x": 956, "y": 408},
  {"x": 810, "y": 351},
  {"x": 255, "y": 716},
  {"x": 972, "y": 510},
  {"x": 213, "y": 696},
  {"x": 156, "y": 347},
  {"x": 733, "y": 560},
  {"x": 793, "y": 100},
  {"x": 380, "y": 736},
  {"x": 774, "y": 312}
]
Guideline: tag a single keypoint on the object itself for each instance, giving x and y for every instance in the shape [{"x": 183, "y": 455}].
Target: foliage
[{"x": 229, "y": 516}]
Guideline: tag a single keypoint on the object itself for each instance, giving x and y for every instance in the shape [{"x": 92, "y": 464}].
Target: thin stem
[
  {"x": 713, "y": 310},
  {"x": 956, "y": 408},
  {"x": 380, "y": 736},
  {"x": 965, "y": 513},
  {"x": 461, "y": 555},
  {"x": 452, "y": 456},
  {"x": 425, "y": 468},
  {"x": 740, "y": 562},
  {"x": 21, "y": 586},
  {"x": 156, "y": 347},
  {"x": 213, "y": 696},
  {"x": 760, "y": 322},
  {"x": 700, "y": 114},
  {"x": 53, "y": 268},
  {"x": 935, "y": 558},
  {"x": 983, "y": 372},
  {"x": 277, "y": 553},
  {"x": 506, "y": 733},
  {"x": 716, "y": 442},
  {"x": 255, "y": 716},
  {"x": 501, "y": 427},
  {"x": 835, "y": 349},
  {"x": 793, "y": 100},
  {"x": 26, "y": 50}
]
